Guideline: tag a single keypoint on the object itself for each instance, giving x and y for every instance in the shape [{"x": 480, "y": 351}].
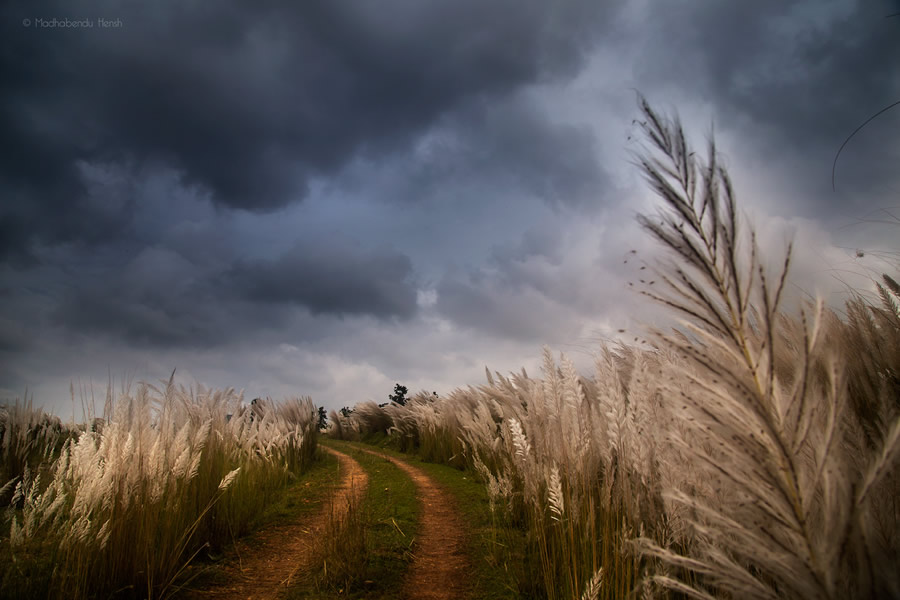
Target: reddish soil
[
  {"x": 267, "y": 562},
  {"x": 440, "y": 566}
]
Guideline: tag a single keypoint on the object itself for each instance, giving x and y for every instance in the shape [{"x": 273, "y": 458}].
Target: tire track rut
[{"x": 440, "y": 568}]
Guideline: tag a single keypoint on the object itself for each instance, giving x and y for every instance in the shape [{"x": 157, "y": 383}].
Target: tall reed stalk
[
  {"x": 29, "y": 438},
  {"x": 172, "y": 472},
  {"x": 747, "y": 453},
  {"x": 798, "y": 506}
]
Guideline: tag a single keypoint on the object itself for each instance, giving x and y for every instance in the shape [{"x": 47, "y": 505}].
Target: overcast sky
[{"x": 327, "y": 197}]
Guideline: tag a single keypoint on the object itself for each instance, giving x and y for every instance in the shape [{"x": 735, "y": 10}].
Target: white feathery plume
[
  {"x": 592, "y": 590},
  {"x": 555, "y": 494},
  {"x": 523, "y": 448},
  {"x": 228, "y": 479}
]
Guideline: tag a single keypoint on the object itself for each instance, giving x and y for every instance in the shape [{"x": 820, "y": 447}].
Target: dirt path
[
  {"x": 269, "y": 561},
  {"x": 440, "y": 567}
]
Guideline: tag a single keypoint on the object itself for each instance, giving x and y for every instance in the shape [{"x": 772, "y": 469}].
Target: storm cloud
[
  {"x": 245, "y": 102},
  {"x": 338, "y": 281},
  {"x": 161, "y": 299},
  {"x": 329, "y": 197},
  {"x": 796, "y": 79}
]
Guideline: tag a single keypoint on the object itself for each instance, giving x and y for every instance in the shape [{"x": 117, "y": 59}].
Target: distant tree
[
  {"x": 256, "y": 409},
  {"x": 399, "y": 395},
  {"x": 345, "y": 412},
  {"x": 323, "y": 418}
]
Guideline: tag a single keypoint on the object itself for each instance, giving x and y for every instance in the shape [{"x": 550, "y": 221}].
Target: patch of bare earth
[
  {"x": 440, "y": 567},
  {"x": 268, "y": 561}
]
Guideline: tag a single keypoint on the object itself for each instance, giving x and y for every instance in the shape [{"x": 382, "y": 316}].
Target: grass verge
[
  {"x": 299, "y": 500},
  {"x": 27, "y": 574},
  {"x": 129, "y": 501}
]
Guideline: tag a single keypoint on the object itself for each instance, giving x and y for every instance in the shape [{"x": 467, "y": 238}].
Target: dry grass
[
  {"x": 341, "y": 559},
  {"x": 749, "y": 453},
  {"x": 170, "y": 472},
  {"x": 796, "y": 508},
  {"x": 29, "y": 438}
]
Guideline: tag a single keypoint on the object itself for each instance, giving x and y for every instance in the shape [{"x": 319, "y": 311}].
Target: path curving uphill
[
  {"x": 271, "y": 559},
  {"x": 440, "y": 567}
]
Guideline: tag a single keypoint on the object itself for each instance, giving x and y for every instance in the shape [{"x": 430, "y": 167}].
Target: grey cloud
[
  {"x": 246, "y": 101},
  {"x": 795, "y": 78},
  {"x": 160, "y": 298},
  {"x": 556, "y": 280},
  {"x": 520, "y": 142},
  {"x": 155, "y": 299},
  {"x": 537, "y": 242},
  {"x": 519, "y": 295},
  {"x": 13, "y": 337},
  {"x": 513, "y": 146},
  {"x": 489, "y": 307},
  {"x": 159, "y": 176},
  {"x": 335, "y": 280},
  {"x": 142, "y": 320}
]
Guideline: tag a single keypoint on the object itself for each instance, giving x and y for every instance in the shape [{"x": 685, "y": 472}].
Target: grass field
[
  {"x": 750, "y": 452},
  {"x": 125, "y": 506}
]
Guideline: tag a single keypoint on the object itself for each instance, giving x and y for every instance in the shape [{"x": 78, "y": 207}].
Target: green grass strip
[
  {"x": 389, "y": 518},
  {"x": 495, "y": 548}
]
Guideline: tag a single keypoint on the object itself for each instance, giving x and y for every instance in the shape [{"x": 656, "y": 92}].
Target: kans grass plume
[
  {"x": 750, "y": 452},
  {"x": 171, "y": 471},
  {"x": 800, "y": 506}
]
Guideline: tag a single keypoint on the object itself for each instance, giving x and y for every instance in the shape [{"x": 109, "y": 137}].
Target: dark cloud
[
  {"x": 542, "y": 243},
  {"x": 261, "y": 193},
  {"x": 157, "y": 298},
  {"x": 492, "y": 151},
  {"x": 13, "y": 337},
  {"x": 796, "y": 78},
  {"x": 516, "y": 145},
  {"x": 551, "y": 286},
  {"x": 144, "y": 320},
  {"x": 336, "y": 281},
  {"x": 521, "y": 293},
  {"x": 492, "y": 308},
  {"x": 247, "y": 101}
]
